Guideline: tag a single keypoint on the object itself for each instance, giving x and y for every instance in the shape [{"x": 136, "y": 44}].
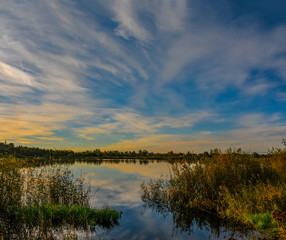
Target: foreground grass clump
[
  {"x": 78, "y": 216},
  {"x": 41, "y": 203},
  {"x": 233, "y": 185}
]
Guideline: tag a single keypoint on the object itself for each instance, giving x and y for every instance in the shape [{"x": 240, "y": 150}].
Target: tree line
[{"x": 9, "y": 149}]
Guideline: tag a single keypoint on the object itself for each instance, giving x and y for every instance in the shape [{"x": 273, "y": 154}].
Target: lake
[{"x": 117, "y": 184}]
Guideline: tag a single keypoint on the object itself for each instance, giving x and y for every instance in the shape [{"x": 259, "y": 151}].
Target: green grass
[
  {"x": 262, "y": 221},
  {"x": 35, "y": 202},
  {"x": 235, "y": 186},
  {"x": 78, "y": 216}
]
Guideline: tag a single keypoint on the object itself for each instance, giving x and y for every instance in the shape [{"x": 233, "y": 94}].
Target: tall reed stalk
[{"x": 42, "y": 202}]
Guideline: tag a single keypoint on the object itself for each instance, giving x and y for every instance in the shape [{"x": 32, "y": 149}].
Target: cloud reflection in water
[{"x": 117, "y": 183}]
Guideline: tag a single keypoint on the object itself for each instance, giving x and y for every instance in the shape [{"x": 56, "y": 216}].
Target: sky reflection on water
[{"x": 118, "y": 185}]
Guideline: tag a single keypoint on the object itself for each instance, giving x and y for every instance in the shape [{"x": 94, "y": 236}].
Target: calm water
[{"x": 118, "y": 185}]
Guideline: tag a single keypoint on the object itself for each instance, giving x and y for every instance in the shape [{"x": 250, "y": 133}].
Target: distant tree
[
  {"x": 255, "y": 155},
  {"x": 206, "y": 154}
]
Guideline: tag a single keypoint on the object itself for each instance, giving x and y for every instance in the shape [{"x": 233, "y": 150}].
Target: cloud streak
[
  {"x": 157, "y": 74},
  {"x": 126, "y": 121}
]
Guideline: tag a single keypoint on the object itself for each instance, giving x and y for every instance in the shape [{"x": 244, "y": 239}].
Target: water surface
[{"x": 117, "y": 184}]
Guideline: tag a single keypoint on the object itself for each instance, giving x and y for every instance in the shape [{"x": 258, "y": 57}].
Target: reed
[
  {"x": 233, "y": 185},
  {"x": 44, "y": 202}
]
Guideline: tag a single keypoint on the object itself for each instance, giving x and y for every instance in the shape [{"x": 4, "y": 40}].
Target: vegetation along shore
[
  {"x": 39, "y": 201},
  {"x": 46, "y": 202},
  {"x": 245, "y": 188}
]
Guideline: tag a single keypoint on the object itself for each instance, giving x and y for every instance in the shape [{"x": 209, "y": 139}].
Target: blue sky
[{"x": 159, "y": 75}]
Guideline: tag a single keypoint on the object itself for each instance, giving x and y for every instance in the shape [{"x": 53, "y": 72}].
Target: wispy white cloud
[
  {"x": 168, "y": 15},
  {"x": 138, "y": 68},
  {"x": 126, "y": 16},
  {"x": 21, "y": 123},
  {"x": 223, "y": 57},
  {"x": 171, "y": 15},
  {"x": 253, "y": 132},
  {"x": 126, "y": 121},
  {"x": 59, "y": 44},
  {"x": 46, "y": 50},
  {"x": 258, "y": 88},
  {"x": 13, "y": 75}
]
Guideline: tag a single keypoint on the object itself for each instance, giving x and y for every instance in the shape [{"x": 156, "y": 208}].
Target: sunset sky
[{"x": 158, "y": 75}]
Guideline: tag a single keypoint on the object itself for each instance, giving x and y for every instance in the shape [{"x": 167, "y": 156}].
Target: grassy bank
[
  {"x": 35, "y": 202},
  {"x": 234, "y": 185}
]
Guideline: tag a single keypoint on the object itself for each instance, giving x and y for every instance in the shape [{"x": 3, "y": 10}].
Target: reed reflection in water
[{"x": 117, "y": 183}]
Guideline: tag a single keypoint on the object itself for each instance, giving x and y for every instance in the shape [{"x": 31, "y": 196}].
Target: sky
[{"x": 160, "y": 75}]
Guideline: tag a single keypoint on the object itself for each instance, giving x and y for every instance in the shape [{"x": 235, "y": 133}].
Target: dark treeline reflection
[
  {"x": 92, "y": 161},
  {"x": 117, "y": 161}
]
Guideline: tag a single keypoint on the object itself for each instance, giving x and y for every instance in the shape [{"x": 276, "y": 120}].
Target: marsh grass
[
  {"x": 56, "y": 185},
  {"x": 43, "y": 202},
  {"x": 81, "y": 217},
  {"x": 234, "y": 186}
]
